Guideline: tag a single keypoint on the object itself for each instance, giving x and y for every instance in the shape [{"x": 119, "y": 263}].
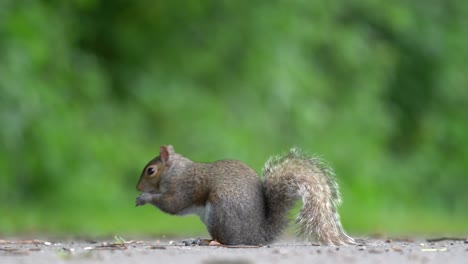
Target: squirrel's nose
[{"x": 140, "y": 187}]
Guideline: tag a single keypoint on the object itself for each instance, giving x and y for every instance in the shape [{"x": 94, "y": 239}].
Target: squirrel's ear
[{"x": 165, "y": 152}]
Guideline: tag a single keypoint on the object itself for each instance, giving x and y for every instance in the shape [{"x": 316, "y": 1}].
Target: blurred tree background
[{"x": 89, "y": 90}]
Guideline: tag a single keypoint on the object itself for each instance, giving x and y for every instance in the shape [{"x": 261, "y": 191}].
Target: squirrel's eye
[{"x": 151, "y": 171}]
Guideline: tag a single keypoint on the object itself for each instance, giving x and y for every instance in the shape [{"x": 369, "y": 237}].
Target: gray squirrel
[{"x": 239, "y": 208}]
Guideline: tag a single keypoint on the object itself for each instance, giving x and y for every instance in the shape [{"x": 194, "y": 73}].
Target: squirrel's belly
[{"x": 202, "y": 211}]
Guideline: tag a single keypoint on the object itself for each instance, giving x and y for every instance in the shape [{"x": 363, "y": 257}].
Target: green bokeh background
[{"x": 90, "y": 89}]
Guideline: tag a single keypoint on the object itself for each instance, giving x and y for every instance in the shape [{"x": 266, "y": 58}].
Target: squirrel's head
[{"x": 151, "y": 174}]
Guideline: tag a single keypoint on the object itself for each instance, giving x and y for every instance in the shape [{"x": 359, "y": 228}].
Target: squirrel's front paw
[{"x": 143, "y": 199}]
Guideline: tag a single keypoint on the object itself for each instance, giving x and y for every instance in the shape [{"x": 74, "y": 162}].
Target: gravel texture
[{"x": 442, "y": 250}]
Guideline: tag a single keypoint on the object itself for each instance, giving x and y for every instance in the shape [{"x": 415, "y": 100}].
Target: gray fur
[{"x": 237, "y": 207}]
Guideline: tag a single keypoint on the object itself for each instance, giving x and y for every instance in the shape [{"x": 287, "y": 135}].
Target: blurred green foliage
[{"x": 89, "y": 90}]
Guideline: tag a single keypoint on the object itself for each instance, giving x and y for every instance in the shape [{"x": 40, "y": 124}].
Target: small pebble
[
  {"x": 281, "y": 251},
  {"x": 397, "y": 249},
  {"x": 157, "y": 247}
]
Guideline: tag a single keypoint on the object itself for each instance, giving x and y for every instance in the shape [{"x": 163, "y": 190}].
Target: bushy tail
[{"x": 293, "y": 176}]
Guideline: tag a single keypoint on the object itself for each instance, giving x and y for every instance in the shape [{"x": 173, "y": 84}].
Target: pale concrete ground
[{"x": 286, "y": 251}]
